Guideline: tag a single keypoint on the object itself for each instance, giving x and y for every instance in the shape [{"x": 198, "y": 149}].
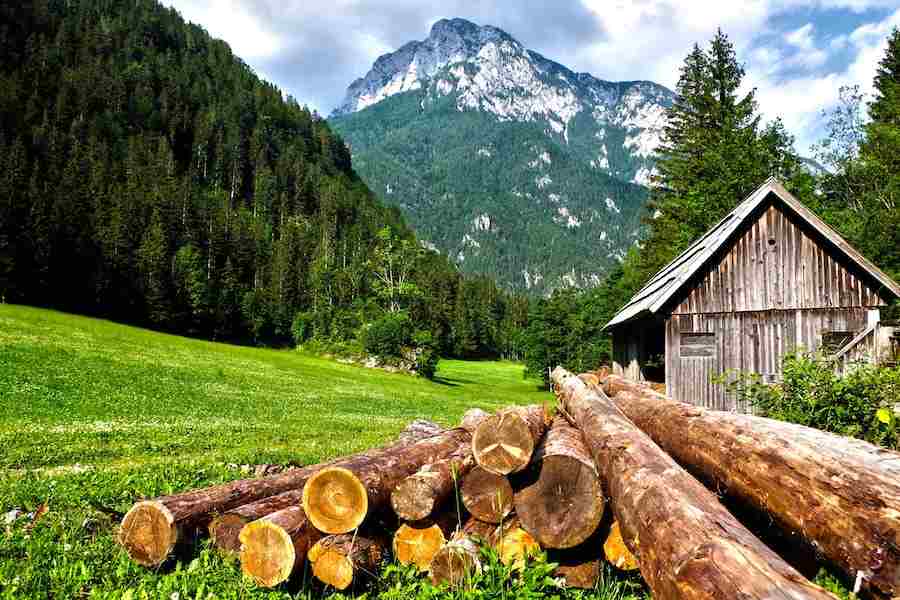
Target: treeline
[
  {"x": 149, "y": 176},
  {"x": 715, "y": 151}
]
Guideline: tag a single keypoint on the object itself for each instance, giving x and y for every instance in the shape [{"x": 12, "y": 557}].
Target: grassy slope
[{"x": 95, "y": 414}]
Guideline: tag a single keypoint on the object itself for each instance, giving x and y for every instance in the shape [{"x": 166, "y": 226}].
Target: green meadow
[{"x": 94, "y": 415}]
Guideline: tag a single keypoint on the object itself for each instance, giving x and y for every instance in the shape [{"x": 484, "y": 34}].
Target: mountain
[{"x": 507, "y": 162}]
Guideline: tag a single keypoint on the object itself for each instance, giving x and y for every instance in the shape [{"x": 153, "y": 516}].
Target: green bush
[
  {"x": 860, "y": 404},
  {"x": 388, "y": 336},
  {"x": 427, "y": 356},
  {"x": 303, "y": 326}
]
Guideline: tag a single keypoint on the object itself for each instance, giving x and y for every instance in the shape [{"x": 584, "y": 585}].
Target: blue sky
[{"x": 797, "y": 53}]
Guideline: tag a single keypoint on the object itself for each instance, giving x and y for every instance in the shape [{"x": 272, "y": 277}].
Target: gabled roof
[{"x": 666, "y": 284}]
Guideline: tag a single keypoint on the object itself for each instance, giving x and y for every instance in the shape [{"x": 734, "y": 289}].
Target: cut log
[
  {"x": 417, "y": 496},
  {"x": 578, "y": 569},
  {"x": 561, "y": 503},
  {"x": 152, "y": 528},
  {"x": 503, "y": 443},
  {"x": 337, "y": 499},
  {"x": 839, "y": 494},
  {"x": 514, "y": 545},
  {"x": 687, "y": 544},
  {"x": 417, "y": 543},
  {"x": 224, "y": 529},
  {"x": 339, "y": 560},
  {"x": 487, "y": 496},
  {"x": 616, "y": 552},
  {"x": 589, "y": 379},
  {"x": 455, "y": 562},
  {"x": 273, "y": 546},
  {"x": 472, "y": 418}
]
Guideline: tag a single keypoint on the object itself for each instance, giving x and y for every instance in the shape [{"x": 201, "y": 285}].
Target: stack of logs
[{"x": 523, "y": 479}]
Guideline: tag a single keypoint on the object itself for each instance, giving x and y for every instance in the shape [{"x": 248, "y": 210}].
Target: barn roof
[{"x": 666, "y": 284}]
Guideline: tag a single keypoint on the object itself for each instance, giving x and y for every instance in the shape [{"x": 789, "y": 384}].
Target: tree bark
[
  {"x": 337, "y": 500},
  {"x": 225, "y": 529},
  {"x": 487, "y": 496},
  {"x": 273, "y": 546},
  {"x": 839, "y": 494},
  {"x": 562, "y": 502},
  {"x": 504, "y": 442},
  {"x": 339, "y": 560},
  {"x": 152, "y": 528},
  {"x": 687, "y": 544}
]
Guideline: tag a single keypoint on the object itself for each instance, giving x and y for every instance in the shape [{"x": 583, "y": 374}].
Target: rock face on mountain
[{"x": 510, "y": 163}]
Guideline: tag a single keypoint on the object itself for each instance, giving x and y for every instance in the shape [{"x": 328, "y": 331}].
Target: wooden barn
[{"x": 770, "y": 278}]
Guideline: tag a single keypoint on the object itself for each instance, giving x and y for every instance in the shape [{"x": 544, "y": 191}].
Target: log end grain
[
  {"x": 148, "y": 533},
  {"x": 589, "y": 379},
  {"x": 455, "y": 562},
  {"x": 503, "y": 443},
  {"x": 616, "y": 552},
  {"x": 267, "y": 553},
  {"x": 487, "y": 496},
  {"x": 225, "y": 532},
  {"x": 331, "y": 567},
  {"x": 335, "y": 500},
  {"x": 564, "y": 505},
  {"x": 579, "y": 574},
  {"x": 418, "y": 544},
  {"x": 515, "y": 545},
  {"x": 413, "y": 499}
]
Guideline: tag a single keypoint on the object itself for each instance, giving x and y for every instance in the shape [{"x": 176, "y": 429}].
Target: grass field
[{"x": 94, "y": 415}]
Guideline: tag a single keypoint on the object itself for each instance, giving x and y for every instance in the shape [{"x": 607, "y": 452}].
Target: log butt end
[
  {"x": 225, "y": 532},
  {"x": 148, "y": 533},
  {"x": 335, "y": 500},
  {"x": 486, "y": 495},
  {"x": 454, "y": 562},
  {"x": 413, "y": 499},
  {"x": 267, "y": 553},
  {"x": 616, "y": 552},
  {"x": 418, "y": 545},
  {"x": 331, "y": 567},
  {"x": 516, "y": 545},
  {"x": 502, "y": 443}
]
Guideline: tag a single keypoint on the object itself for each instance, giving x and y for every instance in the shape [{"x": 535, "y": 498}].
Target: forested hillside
[{"x": 148, "y": 175}]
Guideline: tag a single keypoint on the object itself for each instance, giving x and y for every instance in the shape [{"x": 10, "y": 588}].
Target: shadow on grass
[{"x": 448, "y": 382}]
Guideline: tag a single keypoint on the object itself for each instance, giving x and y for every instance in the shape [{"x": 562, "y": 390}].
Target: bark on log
[
  {"x": 562, "y": 502},
  {"x": 337, "y": 500},
  {"x": 504, "y": 442},
  {"x": 616, "y": 552},
  {"x": 273, "y": 546},
  {"x": 487, "y": 496},
  {"x": 472, "y": 418},
  {"x": 687, "y": 544},
  {"x": 225, "y": 529},
  {"x": 152, "y": 528},
  {"x": 339, "y": 560},
  {"x": 417, "y": 496},
  {"x": 839, "y": 494}
]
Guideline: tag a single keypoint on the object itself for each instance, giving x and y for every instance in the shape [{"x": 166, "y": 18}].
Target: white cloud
[
  {"x": 235, "y": 22},
  {"x": 802, "y": 37}
]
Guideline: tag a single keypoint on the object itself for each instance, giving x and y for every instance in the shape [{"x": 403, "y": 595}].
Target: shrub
[
  {"x": 388, "y": 336},
  {"x": 860, "y": 404},
  {"x": 427, "y": 355},
  {"x": 302, "y": 327}
]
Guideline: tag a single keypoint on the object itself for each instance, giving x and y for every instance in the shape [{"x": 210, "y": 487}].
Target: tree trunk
[
  {"x": 514, "y": 544},
  {"x": 273, "y": 546},
  {"x": 339, "y": 560},
  {"x": 562, "y": 503},
  {"x": 458, "y": 559},
  {"x": 487, "y": 496},
  {"x": 616, "y": 552},
  {"x": 503, "y": 443},
  {"x": 687, "y": 544},
  {"x": 151, "y": 528},
  {"x": 423, "y": 492},
  {"x": 337, "y": 500},
  {"x": 224, "y": 530},
  {"x": 840, "y": 494}
]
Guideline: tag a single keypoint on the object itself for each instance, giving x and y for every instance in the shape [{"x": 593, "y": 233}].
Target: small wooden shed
[{"x": 768, "y": 279}]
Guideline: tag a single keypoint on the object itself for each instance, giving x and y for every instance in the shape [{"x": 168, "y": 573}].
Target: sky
[{"x": 797, "y": 53}]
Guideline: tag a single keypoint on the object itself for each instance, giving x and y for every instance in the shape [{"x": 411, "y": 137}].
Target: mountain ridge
[{"x": 573, "y": 146}]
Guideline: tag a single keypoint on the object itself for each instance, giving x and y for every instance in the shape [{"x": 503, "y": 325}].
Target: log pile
[{"x": 620, "y": 474}]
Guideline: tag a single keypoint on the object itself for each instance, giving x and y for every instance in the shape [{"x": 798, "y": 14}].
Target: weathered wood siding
[
  {"x": 776, "y": 264},
  {"x": 753, "y": 341}
]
